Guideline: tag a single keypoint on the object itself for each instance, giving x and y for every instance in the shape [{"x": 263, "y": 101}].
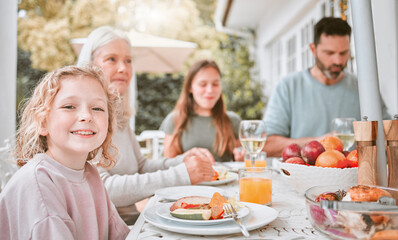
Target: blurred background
[
  {"x": 255, "y": 42},
  {"x": 46, "y": 29}
]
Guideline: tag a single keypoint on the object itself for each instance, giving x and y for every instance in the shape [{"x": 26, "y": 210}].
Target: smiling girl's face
[
  {"x": 77, "y": 122},
  {"x": 116, "y": 61},
  {"x": 206, "y": 90}
]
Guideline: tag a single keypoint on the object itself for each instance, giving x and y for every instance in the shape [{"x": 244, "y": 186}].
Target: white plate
[
  {"x": 260, "y": 215},
  {"x": 234, "y": 166},
  {"x": 175, "y": 193},
  {"x": 164, "y": 212},
  {"x": 230, "y": 177}
]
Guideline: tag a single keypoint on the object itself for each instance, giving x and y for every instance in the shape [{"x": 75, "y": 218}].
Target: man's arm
[{"x": 275, "y": 143}]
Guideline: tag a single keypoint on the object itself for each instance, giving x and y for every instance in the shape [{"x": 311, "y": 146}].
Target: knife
[{"x": 357, "y": 206}]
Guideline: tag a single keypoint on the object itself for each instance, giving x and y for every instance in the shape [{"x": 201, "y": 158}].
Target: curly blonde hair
[{"x": 30, "y": 142}]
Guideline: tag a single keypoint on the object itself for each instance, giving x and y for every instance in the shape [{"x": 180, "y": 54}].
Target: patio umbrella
[
  {"x": 157, "y": 54},
  {"x": 151, "y": 53}
]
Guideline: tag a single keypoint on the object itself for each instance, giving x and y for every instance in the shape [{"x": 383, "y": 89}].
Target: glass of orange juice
[
  {"x": 255, "y": 185},
  {"x": 260, "y": 161}
]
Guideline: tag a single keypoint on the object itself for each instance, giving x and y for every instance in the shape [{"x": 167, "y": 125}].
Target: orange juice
[
  {"x": 255, "y": 190},
  {"x": 257, "y": 163}
]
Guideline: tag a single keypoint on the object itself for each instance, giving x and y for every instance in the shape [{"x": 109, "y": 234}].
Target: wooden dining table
[{"x": 291, "y": 223}]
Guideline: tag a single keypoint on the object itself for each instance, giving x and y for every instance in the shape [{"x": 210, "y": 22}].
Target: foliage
[
  {"x": 46, "y": 28},
  {"x": 243, "y": 94},
  {"x": 27, "y": 77},
  {"x": 157, "y": 96}
]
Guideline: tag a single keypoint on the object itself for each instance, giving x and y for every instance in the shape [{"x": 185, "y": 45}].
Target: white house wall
[
  {"x": 289, "y": 20},
  {"x": 8, "y": 68},
  {"x": 280, "y": 27},
  {"x": 386, "y": 36}
]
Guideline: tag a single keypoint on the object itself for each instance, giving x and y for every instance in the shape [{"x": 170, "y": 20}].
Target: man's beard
[{"x": 328, "y": 71}]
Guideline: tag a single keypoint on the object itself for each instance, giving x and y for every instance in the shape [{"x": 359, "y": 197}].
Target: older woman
[{"x": 134, "y": 178}]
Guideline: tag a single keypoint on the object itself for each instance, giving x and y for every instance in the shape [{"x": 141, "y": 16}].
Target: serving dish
[
  {"x": 350, "y": 223},
  {"x": 302, "y": 177}
]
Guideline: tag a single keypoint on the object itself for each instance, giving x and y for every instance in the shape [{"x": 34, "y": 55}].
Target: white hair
[{"x": 96, "y": 39}]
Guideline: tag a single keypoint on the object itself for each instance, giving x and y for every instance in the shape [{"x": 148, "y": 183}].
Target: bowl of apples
[{"x": 318, "y": 163}]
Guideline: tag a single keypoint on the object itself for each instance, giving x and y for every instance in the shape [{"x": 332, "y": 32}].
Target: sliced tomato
[
  {"x": 186, "y": 205},
  {"x": 216, "y": 212}
]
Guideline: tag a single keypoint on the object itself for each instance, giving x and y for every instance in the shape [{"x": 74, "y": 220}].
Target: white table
[{"x": 292, "y": 222}]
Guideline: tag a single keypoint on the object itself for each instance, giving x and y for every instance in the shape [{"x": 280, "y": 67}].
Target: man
[{"x": 303, "y": 104}]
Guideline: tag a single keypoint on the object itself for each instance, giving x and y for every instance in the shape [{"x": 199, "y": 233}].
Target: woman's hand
[{"x": 200, "y": 168}]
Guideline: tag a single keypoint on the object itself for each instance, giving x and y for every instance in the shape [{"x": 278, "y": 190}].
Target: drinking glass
[
  {"x": 252, "y": 136},
  {"x": 255, "y": 185},
  {"x": 261, "y": 160},
  {"x": 343, "y": 128}
]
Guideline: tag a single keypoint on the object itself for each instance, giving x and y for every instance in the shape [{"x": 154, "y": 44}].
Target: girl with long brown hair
[{"x": 199, "y": 118}]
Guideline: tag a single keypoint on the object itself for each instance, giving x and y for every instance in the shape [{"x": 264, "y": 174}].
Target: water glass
[{"x": 343, "y": 129}]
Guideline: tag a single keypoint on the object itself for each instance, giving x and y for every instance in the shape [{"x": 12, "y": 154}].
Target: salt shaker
[
  {"x": 391, "y": 135},
  {"x": 365, "y": 136}
]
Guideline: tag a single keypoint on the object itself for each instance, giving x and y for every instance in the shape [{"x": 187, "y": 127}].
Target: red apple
[
  {"x": 293, "y": 150},
  {"x": 311, "y": 151},
  {"x": 295, "y": 160}
]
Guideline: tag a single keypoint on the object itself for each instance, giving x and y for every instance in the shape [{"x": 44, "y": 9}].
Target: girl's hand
[{"x": 200, "y": 152}]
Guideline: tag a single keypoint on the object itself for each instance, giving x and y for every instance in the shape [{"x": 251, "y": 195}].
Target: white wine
[
  {"x": 347, "y": 139},
  {"x": 253, "y": 145}
]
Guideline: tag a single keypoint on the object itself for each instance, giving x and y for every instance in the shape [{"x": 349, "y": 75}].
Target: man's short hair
[{"x": 331, "y": 26}]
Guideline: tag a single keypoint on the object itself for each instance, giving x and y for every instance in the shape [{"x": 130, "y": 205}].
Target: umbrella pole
[{"x": 368, "y": 82}]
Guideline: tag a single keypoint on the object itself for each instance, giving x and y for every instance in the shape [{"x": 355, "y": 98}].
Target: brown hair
[
  {"x": 184, "y": 110},
  {"x": 29, "y": 140}
]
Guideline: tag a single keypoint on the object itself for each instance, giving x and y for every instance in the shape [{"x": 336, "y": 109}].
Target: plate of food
[
  {"x": 221, "y": 176},
  {"x": 196, "y": 210},
  {"x": 175, "y": 193},
  {"x": 259, "y": 216}
]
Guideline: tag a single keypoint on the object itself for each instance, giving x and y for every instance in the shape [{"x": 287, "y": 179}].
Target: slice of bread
[{"x": 190, "y": 202}]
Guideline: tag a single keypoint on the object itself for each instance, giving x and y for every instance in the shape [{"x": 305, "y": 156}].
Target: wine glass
[
  {"x": 252, "y": 136},
  {"x": 343, "y": 128}
]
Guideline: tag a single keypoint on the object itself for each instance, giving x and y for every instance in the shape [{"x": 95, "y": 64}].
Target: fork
[{"x": 230, "y": 210}]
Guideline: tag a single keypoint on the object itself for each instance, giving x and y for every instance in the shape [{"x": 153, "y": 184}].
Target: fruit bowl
[
  {"x": 301, "y": 177},
  {"x": 350, "y": 224}
]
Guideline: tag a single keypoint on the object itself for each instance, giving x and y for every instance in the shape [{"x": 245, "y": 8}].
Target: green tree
[{"x": 46, "y": 28}]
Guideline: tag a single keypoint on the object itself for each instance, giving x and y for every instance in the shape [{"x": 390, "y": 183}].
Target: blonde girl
[
  {"x": 57, "y": 192},
  {"x": 134, "y": 177}
]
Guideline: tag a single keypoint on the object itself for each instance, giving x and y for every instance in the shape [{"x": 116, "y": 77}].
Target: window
[
  {"x": 276, "y": 61},
  {"x": 306, "y": 39},
  {"x": 291, "y": 55}
]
